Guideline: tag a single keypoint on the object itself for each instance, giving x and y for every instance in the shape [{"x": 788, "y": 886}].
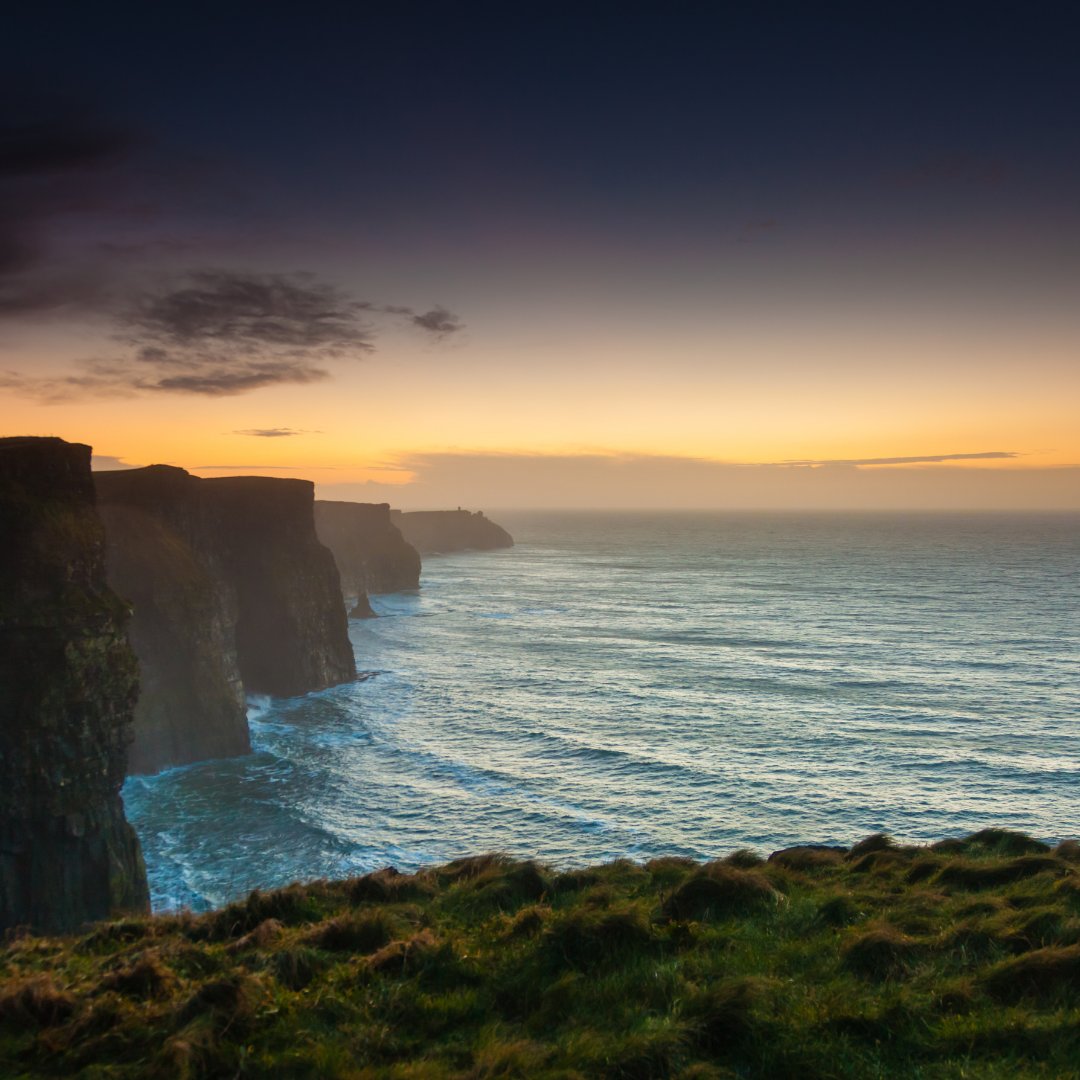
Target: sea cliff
[
  {"x": 231, "y": 591},
  {"x": 292, "y": 634},
  {"x": 163, "y": 556},
  {"x": 438, "y": 531},
  {"x": 371, "y": 554},
  {"x": 68, "y": 682}
]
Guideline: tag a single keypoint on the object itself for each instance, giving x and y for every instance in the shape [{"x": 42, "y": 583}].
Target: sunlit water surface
[{"x": 638, "y": 684}]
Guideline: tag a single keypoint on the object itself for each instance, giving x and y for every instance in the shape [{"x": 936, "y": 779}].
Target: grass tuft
[
  {"x": 388, "y": 886},
  {"x": 876, "y": 842},
  {"x": 405, "y": 955},
  {"x": 36, "y": 1001},
  {"x": 967, "y": 874},
  {"x": 719, "y": 891},
  {"x": 584, "y": 938},
  {"x": 744, "y": 859},
  {"x": 262, "y": 937},
  {"x": 352, "y": 933},
  {"x": 296, "y": 967},
  {"x": 881, "y": 952},
  {"x": 1044, "y": 973},
  {"x": 808, "y": 858},
  {"x": 146, "y": 976},
  {"x": 725, "y": 1015}
]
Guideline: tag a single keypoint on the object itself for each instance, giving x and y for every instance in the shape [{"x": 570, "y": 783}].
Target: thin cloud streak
[
  {"x": 275, "y": 433},
  {"x": 610, "y": 481},
  {"x": 922, "y": 459}
]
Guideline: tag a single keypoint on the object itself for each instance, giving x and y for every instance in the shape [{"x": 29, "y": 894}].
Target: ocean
[{"x": 638, "y": 684}]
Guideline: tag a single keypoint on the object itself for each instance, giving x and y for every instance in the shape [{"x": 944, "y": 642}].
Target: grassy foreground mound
[{"x": 961, "y": 959}]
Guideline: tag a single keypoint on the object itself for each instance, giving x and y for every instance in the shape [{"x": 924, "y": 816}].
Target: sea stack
[
  {"x": 68, "y": 684},
  {"x": 438, "y": 531},
  {"x": 371, "y": 554}
]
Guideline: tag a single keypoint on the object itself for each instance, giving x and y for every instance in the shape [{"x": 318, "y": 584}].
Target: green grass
[{"x": 961, "y": 959}]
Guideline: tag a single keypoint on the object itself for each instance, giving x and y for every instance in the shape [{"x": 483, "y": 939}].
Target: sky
[{"x": 682, "y": 255}]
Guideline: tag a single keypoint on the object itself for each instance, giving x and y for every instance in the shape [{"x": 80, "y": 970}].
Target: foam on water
[{"x": 639, "y": 684}]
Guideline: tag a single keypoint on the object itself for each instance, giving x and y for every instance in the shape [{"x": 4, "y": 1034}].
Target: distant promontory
[{"x": 434, "y": 532}]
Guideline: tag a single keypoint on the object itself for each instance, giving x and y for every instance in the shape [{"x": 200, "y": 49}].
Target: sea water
[{"x": 631, "y": 685}]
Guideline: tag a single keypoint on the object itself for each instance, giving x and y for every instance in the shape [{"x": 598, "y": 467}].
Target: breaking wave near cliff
[{"x": 644, "y": 684}]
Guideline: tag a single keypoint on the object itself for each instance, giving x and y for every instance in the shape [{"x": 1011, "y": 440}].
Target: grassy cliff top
[{"x": 961, "y": 959}]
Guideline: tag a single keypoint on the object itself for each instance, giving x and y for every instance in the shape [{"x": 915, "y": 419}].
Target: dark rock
[
  {"x": 292, "y": 634},
  {"x": 232, "y": 592},
  {"x": 68, "y": 683},
  {"x": 371, "y": 554},
  {"x": 437, "y": 531},
  {"x": 362, "y": 608},
  {"x": 164, "y": 557}
]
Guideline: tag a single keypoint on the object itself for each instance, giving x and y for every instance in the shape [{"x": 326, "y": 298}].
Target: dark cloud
[
  {"x": 212, "y": 333},
  {"x": 922, "y": 459},
  {"x": 218, "y": 381},
  {"x": 438, "y": 321},
  {"x": 221, "y": 312},
  {"x": 52, "y": 166},
  {"x": 220, "y": 333},
  {"x": 274, "y": 432},
  {"x": 59, "y": 144}
]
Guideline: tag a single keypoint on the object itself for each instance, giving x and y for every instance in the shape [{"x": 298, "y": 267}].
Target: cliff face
[
  {"x": 292, "y": 633},
  {"x": 68, "y": 682},
  {"x": 163, "y": 556},
  {"x": 371, "y": 554},
  {"x": 232, "y": 592},
  {"x": 434, "y": 531}
]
